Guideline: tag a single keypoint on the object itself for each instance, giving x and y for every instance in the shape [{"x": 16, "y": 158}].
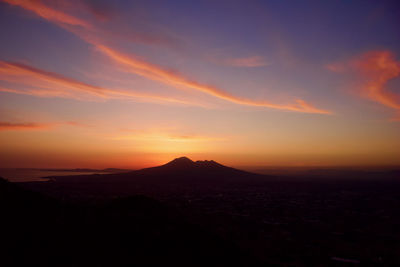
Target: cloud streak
[
  {"x": 21, "y": 73},
  {"x": 167, "y": 137},
  {"x": 10, "y": 126},
  {"x": 33, "y": 126},
  {"x": 102, "y": 13},
  {"x": 376, "y": 68},
  {"x": 379, "y": 67},
  {"x": 149, "y": 70},
  {"x": 49, "y": 13},
  {"x": 41, "y": 83},
  {"x": 245, "y": 62},
  {"x": 157, "y": 73}
]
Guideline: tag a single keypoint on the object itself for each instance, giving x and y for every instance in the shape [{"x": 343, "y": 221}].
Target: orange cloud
[
  {"x": 379, "y": 67},
  {"x": 48, "y": 13},
  {"x": 42, "y": 83},
  {"x": 29, "y": 126},
  {"x": 396, "y": 118},
  {"x": 21, "y": 73},
  {"x": 148, "y": 70},
  {"x": 376, "y": 68},
  {"x": 160, "y": 74},
  {"x": 162, "y": 136},
  {"x": 77, "y": 124},
  {"x": 336, "y": 67},
  {"x": 100, "y": 11},
  {"x": 9, "y": 126}
]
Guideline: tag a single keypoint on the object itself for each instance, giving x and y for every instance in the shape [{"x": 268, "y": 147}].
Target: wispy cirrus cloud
[
  {"x": 57, "y": 12},
  {"x": 77, "y": 124},
  {"x": 166, "y": 137},
  {"x": 396, "y": 118},
  {"x": 157, "y": 73},
  {"x": 29, "y": 126},
  {"x": 34, "y": 126},
  {"x": 41, "y": 83},
  {"x": 153, "y": 71},
  {"x": 101, "y": 10},
  {"x": 48, "y": 81},
  {"x": 160, "y": 134},
  {"x": 242, "y": 62},
  {"x": 377, "y": 68},
  {"x": 336, "y": 67},
  {"x": 49, "y": 13}
]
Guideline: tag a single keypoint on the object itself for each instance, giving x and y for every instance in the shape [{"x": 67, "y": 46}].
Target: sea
[{"x": 35, "y": 175}]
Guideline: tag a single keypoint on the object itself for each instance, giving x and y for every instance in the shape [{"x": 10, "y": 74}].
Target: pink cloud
[
  {"x": 33, "y": 126},
  {"x": 149, "y": 70},
  {"x": 157, "y": 73},
  {"x": 246, "y": 62},
  {"x": 33, "y": 81},
  {"x": 49, "y": 13},
  {"x": 376, "y": 69},
  {"x": 379, "y": 67},
  {"x": 30, "y": 126},
  {"x": 336, "y": 67}
]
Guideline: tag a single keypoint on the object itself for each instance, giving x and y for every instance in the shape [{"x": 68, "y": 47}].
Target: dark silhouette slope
[
  {"x": 344, "y": 218},
  {"x": 133, "y": 231},
  {"x": 180, "y": 169},
  {"x": 185, "y": 169},
  {"x": 178, "y": 176}
]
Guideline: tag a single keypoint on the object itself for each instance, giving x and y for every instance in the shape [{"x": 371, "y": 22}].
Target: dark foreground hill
[{"x": 37, "y": 230}]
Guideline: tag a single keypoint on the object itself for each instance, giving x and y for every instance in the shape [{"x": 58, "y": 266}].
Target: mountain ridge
[
  {"x": 179, "y": 175},
  {"x": 184, "y": 163},
  {"x": 182, "y": 166}
]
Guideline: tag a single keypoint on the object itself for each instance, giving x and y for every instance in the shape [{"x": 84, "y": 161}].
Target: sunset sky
[{"x": 132, "y": 84}]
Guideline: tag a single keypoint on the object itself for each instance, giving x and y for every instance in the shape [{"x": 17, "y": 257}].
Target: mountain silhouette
[
  {"x": 180, "y": 162},
  {"x": 183, "y": 163},
  {"x": 179, "y": 175},
  {"x": 179, "y": 169},
  {"x": 185, "y": 167}
]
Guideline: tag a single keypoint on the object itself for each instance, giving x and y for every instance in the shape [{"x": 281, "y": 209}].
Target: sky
[{"x": 131, "y": 84}]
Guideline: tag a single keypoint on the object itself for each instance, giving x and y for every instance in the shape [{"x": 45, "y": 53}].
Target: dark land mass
[
  {"x": 202, "y": 213},
  {"x": 38, "y": 230},
  {"x": 113, "y": 170}
]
